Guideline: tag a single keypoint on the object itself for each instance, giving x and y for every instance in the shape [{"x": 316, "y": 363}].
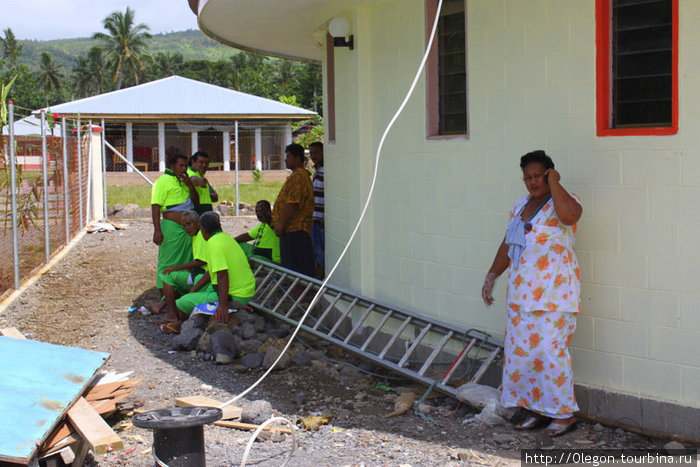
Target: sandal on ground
[
  {"x": 170, "y": 328},
  {"x": 560, "y": 426},
  {"x": 531, "y": 422}
]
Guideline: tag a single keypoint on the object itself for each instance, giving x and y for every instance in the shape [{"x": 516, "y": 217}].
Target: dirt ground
[{"x": 83, "y": 302}]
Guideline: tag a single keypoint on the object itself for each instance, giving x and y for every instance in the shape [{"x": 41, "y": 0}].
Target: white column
[
  {"x": 161, "y": 146},
  {"x": 98, "y": 187},
  {"x": 129, "y": 145},
  {"x": 258, "y": 148},
  {"x": 227, "y": 150},
  {"x": 195, "y": 142},
  {"x": 287, "y": 141}
]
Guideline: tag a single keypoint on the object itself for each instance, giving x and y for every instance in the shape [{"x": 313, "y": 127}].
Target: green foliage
[
  {"x": 257, "y": 176},
  {"x": 315, "y": 134}
]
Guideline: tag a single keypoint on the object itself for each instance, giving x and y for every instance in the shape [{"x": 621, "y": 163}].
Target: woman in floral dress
[{"x": 543, "y": 298}]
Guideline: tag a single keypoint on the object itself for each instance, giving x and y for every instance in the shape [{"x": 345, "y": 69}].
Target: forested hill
[{"x": 191, "y": 44}]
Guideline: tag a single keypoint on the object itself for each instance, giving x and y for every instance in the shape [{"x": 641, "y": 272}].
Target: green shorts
[
  {"x": 175, "y": 249},
  {"x": 187, "y": 302},
  {"x": 182, "y": 281}
]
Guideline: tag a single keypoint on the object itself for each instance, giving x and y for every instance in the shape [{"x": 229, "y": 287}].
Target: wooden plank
[
  {"x": 12, "y": 332},
  {"x": 92, "y": 428},
  {"x": 60, "y": 432},
  {"x": 67, "y": 441},
  {"x": 230, "y": 411},
  {"x": 102, "y": 391},
  {"x": 92, "y": 396},
  {"x": 248, "y": 426},
  {"x": 108, "y": 405}
]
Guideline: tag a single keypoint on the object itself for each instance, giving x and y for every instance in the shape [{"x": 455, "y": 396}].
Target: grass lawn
[{"x": 249, "y": 193}]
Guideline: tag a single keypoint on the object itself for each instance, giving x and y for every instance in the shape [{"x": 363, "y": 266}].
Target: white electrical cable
[
  {"x": 260, "y": 428},
  {"x": 362, "y": 215},
  {"x": 354, "y": 232}
]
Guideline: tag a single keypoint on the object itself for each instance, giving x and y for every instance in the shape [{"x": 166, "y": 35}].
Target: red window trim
[
  {"x": 603, "y": 70},
  {"x": 329, "y": 111}
]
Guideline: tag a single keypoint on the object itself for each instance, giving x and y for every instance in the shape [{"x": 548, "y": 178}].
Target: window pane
[
  {"x": 641, "y": 62},
  {"x": 452, "y": 69}
]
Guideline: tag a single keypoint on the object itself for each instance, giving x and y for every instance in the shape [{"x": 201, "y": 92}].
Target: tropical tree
[
  {"x": 11, "y": 49},
  {"x": 125, "y": 46},
  {"x": 167, "y": 64},
  {"x": 49, "y": 75},
  {"x": 89, "y": 73}
]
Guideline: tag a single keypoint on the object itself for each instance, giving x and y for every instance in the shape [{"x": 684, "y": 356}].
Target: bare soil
[{"x": 83, "y": 302}]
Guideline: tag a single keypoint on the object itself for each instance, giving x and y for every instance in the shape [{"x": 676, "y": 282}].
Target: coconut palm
[
  {"x": 49, "y": 76},
  {"x": 125, "y": 45},
  {"x": 167, "y": 64},
  {"x": 11, "y": 49},
  {"x": 89, "y": 73}
]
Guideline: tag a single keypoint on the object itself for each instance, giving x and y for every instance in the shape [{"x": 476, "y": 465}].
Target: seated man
[
  {"x": 266, "y": 243},
  {"x": 232, "y": 282}
]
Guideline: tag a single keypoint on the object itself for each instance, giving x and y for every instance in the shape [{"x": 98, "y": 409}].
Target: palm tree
[
  {"x": 11, "y": 49},
  {"x": 126, "y": 46},
  {"x": 89, "y": 73},
  {"x": 49, "y": 75},
  {"x": 167, "y": 64}
]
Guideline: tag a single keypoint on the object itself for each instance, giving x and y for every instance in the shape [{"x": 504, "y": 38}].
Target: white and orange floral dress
[{"x": 543, "y": 299}]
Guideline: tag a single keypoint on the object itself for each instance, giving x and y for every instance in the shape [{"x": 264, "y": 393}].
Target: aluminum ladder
[{"x": 415, "y": 346}]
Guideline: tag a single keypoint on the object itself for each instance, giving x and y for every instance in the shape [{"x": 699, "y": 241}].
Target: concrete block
[
  {"x": 651, "y": 167},
  {"x": 597, "y": 233},
  {"x": 548, "y": 103},
  {"x": 526, "y": 73},
  {"x": 509, "y": 105},
  {"x": 563, "y": 9},
  {"x": 582, "y": 104},
  {"x": 491, "y": 16},
  {"x": 661, "y": 416},
  {"x": 621, "y": 337},
  {"x": 596, "y": 168},
  {"x": 570, "y": 69},
  {"x": 620, "y": 202},
  {"x": 689, "y": 318},
  {"x": 565, "y": 133},
  {"x": 626, "y": 270},
  {"x": 581, "y": 29},
  {"x": 525, "y": 12},
  {"x": 526, "y": 134},
  {"x": 600, "y": 301},
  {"x": 597, "y": 368},
  {"x": 688, "y": 234},
  {"x": 615, "y": 406},
  {"x": 584, "y": 336},
  {"x": 649, "y": 237},
  {"x": 674, "y": 274},
  {"x": 510, "y": 43},
  {"x": 438, "y": 277},
  {"x": 547, "y": 38},
  {"x": 691, "y": 386},
  {"x": 674, "y": 345},
  {"x": 654, "y": 379},
  {"x": 671, "y": 203},
  {"x": 649, "y": 307}
]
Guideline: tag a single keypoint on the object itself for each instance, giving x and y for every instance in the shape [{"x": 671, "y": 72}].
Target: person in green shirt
[
  {"x": 171, "y": 195},
  {"x": 266, "y": 243},
  {"x": 198, "y": 166}
]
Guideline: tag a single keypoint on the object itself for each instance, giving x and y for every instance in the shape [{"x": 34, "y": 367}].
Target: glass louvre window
[
  {"x": 452, "y": 69},
  {"x": 642, "y": 71}
]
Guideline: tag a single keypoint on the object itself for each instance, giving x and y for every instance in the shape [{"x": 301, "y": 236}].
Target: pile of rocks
[
  {"x": 248, "y": 341},
  {"x": 131, "y": 210},
  {"x": 228, "y": 208}
]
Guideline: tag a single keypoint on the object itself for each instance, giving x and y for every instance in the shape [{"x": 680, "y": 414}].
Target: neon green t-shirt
[
  {"x": 168, "y": 191},
  {"x": 264, "y": 236},
  {"x": 204, "y": 195},
  {"x": 224, "y": 254},
  {"x": 199, "y": 248}
]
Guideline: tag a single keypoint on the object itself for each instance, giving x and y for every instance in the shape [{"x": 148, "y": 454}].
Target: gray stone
[
  {"x": 199, "y": 321},
  {"x": 351, "y": 374},
  {"x": 244, "y": 317},
  {"x": 598, "y": 427},
  {"x": 247, "y": 330},
  {"x": 223, "y": 210},
  {"x": 504, "y": 438},
  {"x": 299, "y": 398},
  {"x": 188, "y": 337},
  {"x": 222, "y": 343},
  {"x": 204, "y": 344},
  {"x": 249, "y": 346},
  {"x": 131, "y": 208},
  {"x": 673, "y": 445},
  {"x": 270, "y": 357},
  {"x": 259, "y": 323},
  {"x": 252, "y": 360},
  {"x": 303, "y": 358},
  {"x": 117, "y": 207},
  {"x": 426, "y": 409},
  {"x": 256, "y": 412},
  {"x": 222, "y": 359},
  {"x": 142, "y": 213},
  {"x": 279, "y": 333},
  {"x": 477, "y": 395}
]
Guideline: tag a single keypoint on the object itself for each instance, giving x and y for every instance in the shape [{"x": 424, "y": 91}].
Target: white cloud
[{"x": 65, "y": 19}]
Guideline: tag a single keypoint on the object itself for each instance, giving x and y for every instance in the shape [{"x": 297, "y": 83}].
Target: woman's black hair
[
  {"x": 196, "y": 156},
  {"x": 268, "y": 211},
  {"x": 172, "y": 160},
  {"x": 537, "y": 156},
  {"x": 296, "y": 150}
]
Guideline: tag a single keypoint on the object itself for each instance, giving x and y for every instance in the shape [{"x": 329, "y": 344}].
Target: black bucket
[{"x": 178, "y": 433}]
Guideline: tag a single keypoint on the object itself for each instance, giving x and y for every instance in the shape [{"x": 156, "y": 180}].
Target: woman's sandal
[
  {"x": 531, "y": 422},
  {"x": 170, "y": 328},
  {"x": 560, "y": 426}
]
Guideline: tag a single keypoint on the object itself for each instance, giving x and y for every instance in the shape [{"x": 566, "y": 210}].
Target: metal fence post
[
  {"x": 66, "y": 201},
  {"x": 45, "y": 176},
  {"x": 104, "y": 168},
  {"x": 80, "y": 177},
  {"x": 13, "y": 191},
  {"x": 88, "y": 205},
  {"x": 237, "y": 164}
]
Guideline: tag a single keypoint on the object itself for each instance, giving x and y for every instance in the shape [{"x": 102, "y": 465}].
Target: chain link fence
[{"x": 44, "y": 191}]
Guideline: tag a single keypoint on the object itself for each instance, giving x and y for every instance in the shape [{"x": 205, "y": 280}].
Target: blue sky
[{"x": 65, "y": 19}]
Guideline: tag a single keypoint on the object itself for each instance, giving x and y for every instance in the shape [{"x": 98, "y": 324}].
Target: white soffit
[{"x": 281, "y": 28}]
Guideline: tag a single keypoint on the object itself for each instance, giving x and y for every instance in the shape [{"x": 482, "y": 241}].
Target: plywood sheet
[{"x": 38, "y": 383}]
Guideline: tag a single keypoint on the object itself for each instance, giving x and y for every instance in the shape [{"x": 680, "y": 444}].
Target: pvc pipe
[
  {"x": 237, "y": 164},
  {"x": 66, "y": 194},
  {"x": 45, "y": 176},
  {"x": 104, "y": 168},
  {"x": 88, "y": 205},
  {"x": 80, "y": 178},
  {"x": 128, "y": 163},
  {"x": 13, "y": 191}
]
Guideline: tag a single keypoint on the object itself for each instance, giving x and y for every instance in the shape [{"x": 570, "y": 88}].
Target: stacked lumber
[
  {"x": 230, "y": 412},
  {"x": 83, "y": 427}
]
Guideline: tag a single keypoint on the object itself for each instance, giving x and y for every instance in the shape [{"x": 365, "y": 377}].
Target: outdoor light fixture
[{"x": 339, "y": 29}]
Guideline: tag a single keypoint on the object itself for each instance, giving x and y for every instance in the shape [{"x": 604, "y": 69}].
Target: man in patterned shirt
[
  {"x": 292, "y": 214},
  {"x": 318, "y": 228}
]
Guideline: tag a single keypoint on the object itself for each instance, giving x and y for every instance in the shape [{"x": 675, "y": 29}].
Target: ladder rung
[
  {"x": 359, "y": 323},
  {"x": 459, "y": 360},
  {"x": 396, "y": 335},
  {"x": 376, "y": 330},
  {"x": 415, "y": 345},
  {"x": 298, "y": 300},
  {"x": 484, "y": 366},
  {"x": 327, "y": 310},
  {"x": 286, "y": 294},
  {"x": 435, "y": 353},
  {"x": 264, "y": 289},
  {"x": 277, "y": 284},
  {"x": 263, "y": 283},
  {"x": 342, "y": 317},
  {"x": 257, "y": 270}
]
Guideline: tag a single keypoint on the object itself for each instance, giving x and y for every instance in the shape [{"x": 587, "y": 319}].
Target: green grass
[{"x": 249, "y": 193}]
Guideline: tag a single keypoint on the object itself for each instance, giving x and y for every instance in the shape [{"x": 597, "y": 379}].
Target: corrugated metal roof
[{"x": 179, "y": 97}]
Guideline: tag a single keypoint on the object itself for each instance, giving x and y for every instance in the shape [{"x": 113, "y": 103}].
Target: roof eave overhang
[{"x": 88, "y": 116}]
